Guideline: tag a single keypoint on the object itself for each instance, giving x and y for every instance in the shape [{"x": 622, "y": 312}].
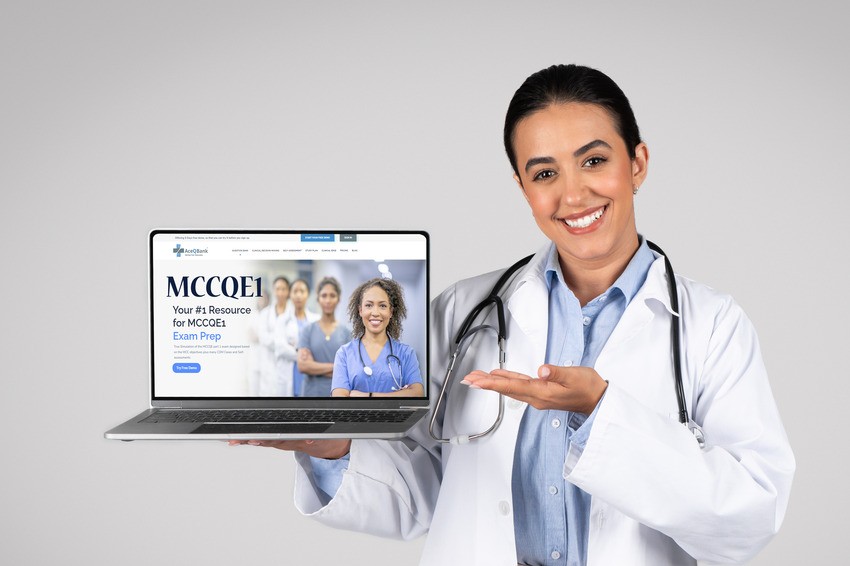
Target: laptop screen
[{"x": 284, "y": 314}]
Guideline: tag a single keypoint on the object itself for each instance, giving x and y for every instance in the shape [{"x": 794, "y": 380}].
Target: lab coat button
[
  {"x": 504, "y": 507},
  {"x": 556, "y": 423},
  {"x": 555, "y": 555},
  {"x": 514, "y": 404}
]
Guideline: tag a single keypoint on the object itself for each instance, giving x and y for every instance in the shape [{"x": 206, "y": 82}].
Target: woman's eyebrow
[
  {"x": 537, "y": 161},
  {"x": 588, "y": 146}
]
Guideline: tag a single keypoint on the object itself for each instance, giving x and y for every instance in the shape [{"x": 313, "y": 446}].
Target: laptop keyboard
[{"x": 277, "y": 416}]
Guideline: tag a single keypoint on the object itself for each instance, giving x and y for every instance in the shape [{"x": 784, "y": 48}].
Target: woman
[
  {"x": 590, "y": 464},
  {"x": 375, "y": 363},
  {"x": 320, "y": 340},
  {"x": 273, "y": 379},
  {"x": 290, "y": 328}
]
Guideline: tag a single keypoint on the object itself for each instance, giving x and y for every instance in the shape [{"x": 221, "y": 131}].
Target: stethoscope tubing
[{"x": 466, "y": 331}]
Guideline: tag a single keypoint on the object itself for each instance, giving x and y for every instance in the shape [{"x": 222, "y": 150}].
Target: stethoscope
[
  {"x": 467, "y": 331},
  {"x": 368, "y": 369}
]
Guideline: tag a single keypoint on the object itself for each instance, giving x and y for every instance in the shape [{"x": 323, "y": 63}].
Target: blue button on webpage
[
  {"x": 317, "y": 237},
  {"x": 186, "y": 367}
]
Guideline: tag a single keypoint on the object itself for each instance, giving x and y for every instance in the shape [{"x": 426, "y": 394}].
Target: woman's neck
[
  {"x": 327, "y": 318},
  {"x": 376, "y": 339},
  {"x": 280, "y": 308},
  {"x": 299, "y": 312},
  {"x": 588, "y": 280}
]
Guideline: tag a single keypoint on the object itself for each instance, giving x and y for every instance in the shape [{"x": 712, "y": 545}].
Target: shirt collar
[{"x": 629, "y": 282}]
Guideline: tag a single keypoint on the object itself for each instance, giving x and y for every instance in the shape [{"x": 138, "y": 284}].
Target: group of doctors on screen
[{"x": 304, "y": 354}]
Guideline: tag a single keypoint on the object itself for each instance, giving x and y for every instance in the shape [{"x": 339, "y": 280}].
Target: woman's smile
[{"x": 584, "y": 222}]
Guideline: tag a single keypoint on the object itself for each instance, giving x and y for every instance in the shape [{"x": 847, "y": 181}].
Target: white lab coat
[
  {"x": 272, "y": 370},
  {"x": 656, "y": 497}
]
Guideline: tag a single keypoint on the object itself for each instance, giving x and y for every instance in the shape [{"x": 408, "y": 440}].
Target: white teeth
[{"x": 585, "y": 221}]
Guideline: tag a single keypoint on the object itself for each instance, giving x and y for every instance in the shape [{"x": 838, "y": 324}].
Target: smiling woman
[
  {"x": 376, "y": 363},
  {"x": 588, "y": 464}
]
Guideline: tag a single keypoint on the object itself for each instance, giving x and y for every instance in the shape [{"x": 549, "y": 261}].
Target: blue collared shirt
[{"x": 551, "y": 515}]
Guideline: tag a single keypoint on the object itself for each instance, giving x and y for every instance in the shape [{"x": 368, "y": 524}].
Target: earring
[{"x": 635, "y": 189}]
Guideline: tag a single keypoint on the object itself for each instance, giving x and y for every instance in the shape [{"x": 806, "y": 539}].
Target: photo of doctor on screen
[{"x": 375, "y": 363}]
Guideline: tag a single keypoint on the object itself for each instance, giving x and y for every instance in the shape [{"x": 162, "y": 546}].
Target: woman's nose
[{"x": 573, "y": 191}]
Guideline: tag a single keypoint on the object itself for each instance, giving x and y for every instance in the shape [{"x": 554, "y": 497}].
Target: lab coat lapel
[
  {"x": 528, "y": 306},
  {"x": 639, "y": 312},
  {"x": 482, "y": 531}
]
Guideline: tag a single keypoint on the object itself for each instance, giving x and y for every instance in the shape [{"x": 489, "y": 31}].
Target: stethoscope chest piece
[{"x": 367, "y": 370}]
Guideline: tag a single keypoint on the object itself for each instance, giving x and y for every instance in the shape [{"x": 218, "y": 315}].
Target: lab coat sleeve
[
  {"x": 266, "y": 334},
  {"x": 284, "y": 335},
  {"x": 390, "y": 487},
  {"x": 723, "y": 503}
]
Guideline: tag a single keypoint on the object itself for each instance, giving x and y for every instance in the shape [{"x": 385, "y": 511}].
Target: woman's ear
[{"x": 640, "y": 164}]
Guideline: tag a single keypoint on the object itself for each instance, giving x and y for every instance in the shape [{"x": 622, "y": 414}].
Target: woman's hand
[
  {"x": 305, "y": 355},
  {"x": 331, "y": 449},
  {"x": 576, "y": 389}
]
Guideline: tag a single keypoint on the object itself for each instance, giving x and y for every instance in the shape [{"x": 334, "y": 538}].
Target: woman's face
[
  {"x": 299, "y": 294},
  {"x": 328, "y": 298},
  {"x": 281, "y": 291},
  {"x": 578, "y": 178},
  {"x": 375, "y": 310}
]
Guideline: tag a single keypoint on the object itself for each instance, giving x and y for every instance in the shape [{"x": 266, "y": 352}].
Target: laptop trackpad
[{"x": 262, "y": 428}]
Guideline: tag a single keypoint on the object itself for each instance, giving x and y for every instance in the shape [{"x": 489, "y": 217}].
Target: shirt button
[
  {"x": 603, "y": 298},
  {"x": 514, "y": 404},
  {"x": 553, "y": 490},
  {"x": 555, "y": 555},
  {"x": 504, "y": 507},
  {"x": 567, "y": 363},
  {"x": 586, "y": 320},
  {"x": 556, "y": 423}
]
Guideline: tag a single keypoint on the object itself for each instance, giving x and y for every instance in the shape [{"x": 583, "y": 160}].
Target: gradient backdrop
[{"x": 119, "y": 117}]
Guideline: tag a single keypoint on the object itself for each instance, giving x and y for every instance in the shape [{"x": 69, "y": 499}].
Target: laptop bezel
[{"x": 286, "y": 402}]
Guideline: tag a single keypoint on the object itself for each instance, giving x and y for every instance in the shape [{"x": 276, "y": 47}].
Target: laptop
[{"x": 223, "y": 336}]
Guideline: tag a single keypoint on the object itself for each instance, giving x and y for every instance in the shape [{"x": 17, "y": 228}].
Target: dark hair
[
  {"x": 281, "y": 278},
  {"x": 329, "y": 281},
  {"x": 560, "y": 84},
  {"x": 396, "y": 295}
]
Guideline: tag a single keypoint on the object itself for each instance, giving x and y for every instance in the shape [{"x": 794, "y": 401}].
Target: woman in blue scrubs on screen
[
  {"x": 375, "y": 363},
  {"x": 320, "y": 340}
]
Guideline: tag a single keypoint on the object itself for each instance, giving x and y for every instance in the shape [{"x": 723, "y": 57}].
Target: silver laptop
[{"x": 226, "y": 342}]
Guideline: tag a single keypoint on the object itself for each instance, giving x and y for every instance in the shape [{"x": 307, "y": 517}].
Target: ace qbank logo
[{"x": 180, "y": 251}]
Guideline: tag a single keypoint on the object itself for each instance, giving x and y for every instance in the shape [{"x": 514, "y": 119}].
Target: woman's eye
[
  {"x": 594, "y": 161},
  {"x": 543, "y": 175}
]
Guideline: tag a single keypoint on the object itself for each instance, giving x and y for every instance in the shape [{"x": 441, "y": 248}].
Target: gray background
[{"x": 119, "y": 117}]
